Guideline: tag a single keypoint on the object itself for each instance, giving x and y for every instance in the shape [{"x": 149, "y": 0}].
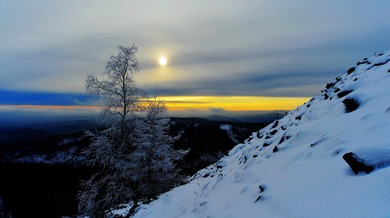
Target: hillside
[
  {"x": 296, "y": 166},
  {"x": 41, "y": 164}
]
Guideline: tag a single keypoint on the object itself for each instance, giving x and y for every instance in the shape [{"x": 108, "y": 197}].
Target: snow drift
[{"x": 295, "y": 167}]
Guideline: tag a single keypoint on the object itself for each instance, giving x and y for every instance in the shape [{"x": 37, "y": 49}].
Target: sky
[{"x": 245, "y": 54}]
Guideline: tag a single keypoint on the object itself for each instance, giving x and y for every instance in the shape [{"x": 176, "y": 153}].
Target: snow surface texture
[{"x": 294, "y": 166}]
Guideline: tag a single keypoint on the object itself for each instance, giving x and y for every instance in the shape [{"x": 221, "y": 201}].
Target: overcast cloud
[{"x": 262, "y": 48}]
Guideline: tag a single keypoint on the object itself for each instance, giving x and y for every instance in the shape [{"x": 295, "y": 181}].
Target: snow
[
  {"x": 376, "y": 157},
  {"x": 294, "y": 167},
  {"x": 229, "y": 131},
  {"x": 226, "y": 127}
]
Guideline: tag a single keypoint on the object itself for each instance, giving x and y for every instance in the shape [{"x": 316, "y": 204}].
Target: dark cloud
[{"x": 276, "y": 84}]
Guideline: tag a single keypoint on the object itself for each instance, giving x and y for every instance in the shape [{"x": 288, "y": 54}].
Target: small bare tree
[
  {"x": 121, "y": 93},
  {"x": 135, "y": 150}
]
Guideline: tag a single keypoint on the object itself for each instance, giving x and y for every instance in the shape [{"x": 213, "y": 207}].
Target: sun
[{"x": 162, "y": 61}]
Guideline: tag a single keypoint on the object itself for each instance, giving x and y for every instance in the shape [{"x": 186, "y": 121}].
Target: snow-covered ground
[
  {"x": 229, "y": 131},
  {"x": 294, "y": 167}
]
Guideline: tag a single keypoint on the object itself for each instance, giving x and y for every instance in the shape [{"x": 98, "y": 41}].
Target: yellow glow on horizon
[
  {"x": 232, "y": 103},
  {"x": 201, "y": 103}
]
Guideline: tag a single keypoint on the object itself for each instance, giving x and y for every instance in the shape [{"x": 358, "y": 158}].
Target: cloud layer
[{"x": 252, "y": 48}]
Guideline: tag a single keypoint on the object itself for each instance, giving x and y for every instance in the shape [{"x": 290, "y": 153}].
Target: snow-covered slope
[{"x": 294, "y": 167}]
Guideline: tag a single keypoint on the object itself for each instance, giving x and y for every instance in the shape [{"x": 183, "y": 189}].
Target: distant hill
[
  {"x": 254, "y": 117},
  {"x": 208, "y": 140}
]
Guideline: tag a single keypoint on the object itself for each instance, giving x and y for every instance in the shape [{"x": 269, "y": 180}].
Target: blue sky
[
  {"x": 214, "y": 48},
  {"x": 43, "y": 98}
]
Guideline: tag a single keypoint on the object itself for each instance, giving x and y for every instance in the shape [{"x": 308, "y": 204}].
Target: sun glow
[{"x": 162, "y": 61}]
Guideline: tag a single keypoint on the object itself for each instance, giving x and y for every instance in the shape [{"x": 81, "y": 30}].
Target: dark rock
[
  {"x": 330, "y": 85},
  {"x": 381, "y": 63},
  {"x": 245, "y": 159},
  {"x": 275, "y": 149},
  {"x": 350, "y": 105},
  {"x": 266, "y": 145},
  {"x": 344, "y": 93},
  {"x": 350, "y": 70},
  {"x": 273, "y": 132},
  {"x": 262, "y": 188},
  {"x": 281, "y": 140},
  {"x": 326, "y": 96},
  {"x": 363, "y": 62},
  {"x": 276, "y": 123},
  {"x": 356, "y": 165},
  {"x": 258, "y": 198}
]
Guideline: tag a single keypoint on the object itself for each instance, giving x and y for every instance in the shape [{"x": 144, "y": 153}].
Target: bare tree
[
  {"x": 134, "y": 152},
  {"x": 121, "y": 93}
]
